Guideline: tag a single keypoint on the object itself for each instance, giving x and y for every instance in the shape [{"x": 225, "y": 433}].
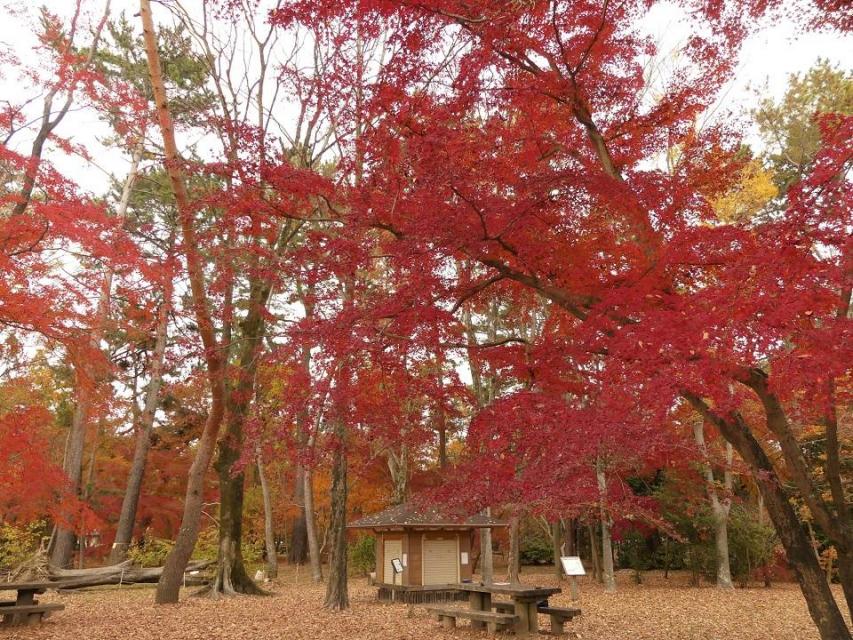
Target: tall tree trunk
[
  {"x": 514, "y": 558},
  {"x": 170, "y": 580},
  {"x": 594, "y": 553},
  {"x": 819, "y": 599},
  {"x": 398, "y": 467},
  {"x": 442, "y": 441},
  {"x": 269, "y": 533},
  {"x": 719, "y": 507},
  {"x": 556, "y": 540},
  {"x": 63, "y": 540},
  {"x": 833, "y": 517},
  {"x": 231, "y": 576},
  {"x": 297, "y": 552},
  {"x": 311, "y": 528},
  {"x": 606, "y": 542},
  {"x": 130, "y": 502},
  {"x": 571, "y": 537},
  {"x": 765, "y": 570},
  {"x": 845, "y": 576},
  {"x": 487, "y": 559},
  {"x": 337, "y": 594},
  {"x": 843, "y": 511}
]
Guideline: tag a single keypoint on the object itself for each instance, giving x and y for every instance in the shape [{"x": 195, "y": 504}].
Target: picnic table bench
[
  {"x": 493, "y": 621},
  {"x": 520, "y": 613},
  {"x": 25, "y": 609},
  {"x": 558, "y": 615}
]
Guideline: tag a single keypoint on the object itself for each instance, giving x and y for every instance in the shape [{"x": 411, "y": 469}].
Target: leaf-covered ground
[{"x": 658, "y": 609}]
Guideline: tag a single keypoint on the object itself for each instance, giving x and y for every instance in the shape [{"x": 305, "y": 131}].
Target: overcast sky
[{"x": 766, "y": 61}]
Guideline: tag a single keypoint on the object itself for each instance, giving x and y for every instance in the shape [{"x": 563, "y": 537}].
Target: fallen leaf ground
[{"x": 659, "y": 609}]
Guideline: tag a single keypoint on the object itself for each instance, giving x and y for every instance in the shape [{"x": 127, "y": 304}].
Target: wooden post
[
  {"x": 573, "y": 585},
  {"x": 532, "y": 617},
  {"x": 522, "y": 624},
  {"x": 556, "y": 625},
  {"x": 476, "y": 600}
]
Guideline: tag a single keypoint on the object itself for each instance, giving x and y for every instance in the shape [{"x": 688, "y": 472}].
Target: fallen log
[
  {"x": 123, "y": 574},
  {"x": 56, "y": 572}
]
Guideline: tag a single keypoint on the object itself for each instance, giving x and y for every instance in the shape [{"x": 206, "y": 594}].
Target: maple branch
[
  {"x": 555, "y": 294},
  {"x": 778, "y": 424},
  {"x": 596, "y": 35},
  {"x": 473, "y": 291},
  {"x": 486, "y": 345},
  {"x": 48, "y": 124}
]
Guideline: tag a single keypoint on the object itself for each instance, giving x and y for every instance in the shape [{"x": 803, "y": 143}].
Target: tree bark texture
[
  {"x": 269, "y": 532},
  {"x": 337, "y": 594},
  {"x": 819, "y": 599},
  {"x": 513, "y": 559},
  {"x": 556, "y": 543},
  {"x": 130, "y": 502},
  {"x": 606, "y": 541},
  {"x": 594, "y": 553},
  {"x": 232, "y": 576},
  {"x": 297, "y": 552},
  {"x": 311, "y": 528},
  {"x": 170, "y": 581},
  {"x": 63, "y": 541},
  {"x": 719, "y": 507},
  {"x": 398, "y": 467}
]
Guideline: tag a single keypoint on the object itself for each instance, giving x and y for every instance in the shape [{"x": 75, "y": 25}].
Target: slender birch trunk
[
  {"x": 606, "y": 541},
  {"x": 513, "y": 561},
  {"x": 269, "y": 534},
  {"x": 63, "y": 540},
  {"x": 719, "y": 507},
  {"x": 556, "y": 535},
  {"x": 595, "y": 556},
  {"x": 130, "y": 503},
  {"x": 311, "y": 527}
]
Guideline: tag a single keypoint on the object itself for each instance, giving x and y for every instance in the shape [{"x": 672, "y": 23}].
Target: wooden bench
[
  {"x": 19, "y": 614},
  {"x": 559, "y": 615},
  {"x": 503, "y": 607},
  {"x": 494, "y": 621}
]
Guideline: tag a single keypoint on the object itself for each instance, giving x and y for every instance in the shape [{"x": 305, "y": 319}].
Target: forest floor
[{"x": 659, "y": 609}]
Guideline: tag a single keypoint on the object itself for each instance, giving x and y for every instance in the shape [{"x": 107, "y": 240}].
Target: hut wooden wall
[
  {"x": 465, "y": 572},
  {"x": 415, "y": 559}
]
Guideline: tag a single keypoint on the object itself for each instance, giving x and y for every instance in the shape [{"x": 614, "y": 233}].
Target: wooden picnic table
[
  {"x": 524, "y": 599},
  {"x": 25, "y": 609}
]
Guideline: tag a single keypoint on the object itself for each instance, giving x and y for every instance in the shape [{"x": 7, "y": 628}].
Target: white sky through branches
[{"x": 766, "y": 61}]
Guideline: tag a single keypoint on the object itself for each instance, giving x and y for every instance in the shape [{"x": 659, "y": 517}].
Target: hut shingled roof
[{"x": 409, "y": 515}]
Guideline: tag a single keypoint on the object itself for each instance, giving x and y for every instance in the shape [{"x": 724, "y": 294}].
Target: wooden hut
[{"x": 432, "y": 548}]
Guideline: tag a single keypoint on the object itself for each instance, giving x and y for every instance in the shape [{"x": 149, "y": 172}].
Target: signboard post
[
  {"x": 573, "y": 567},
  {"x": 397, "y": 565}
]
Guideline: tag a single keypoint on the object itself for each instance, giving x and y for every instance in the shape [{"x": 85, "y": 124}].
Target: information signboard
[{"x": 572, "y": 566}]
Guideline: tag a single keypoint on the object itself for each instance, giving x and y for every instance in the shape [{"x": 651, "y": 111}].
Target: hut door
[
  {"x": 441, "y": 561},
  {"x": 393, "y": 549}
]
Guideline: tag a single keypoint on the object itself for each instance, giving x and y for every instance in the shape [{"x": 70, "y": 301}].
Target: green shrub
[
  {"x": 207, "y": 547},
  {"x": 534, "y": 548},
  {"x": 19, "y": 543},
  {"x": 634, "y": 553},
  {"x": 362, "y": 555},
  {"x": 751, "y": 544},
  {"x": 151, "y": 552}
]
